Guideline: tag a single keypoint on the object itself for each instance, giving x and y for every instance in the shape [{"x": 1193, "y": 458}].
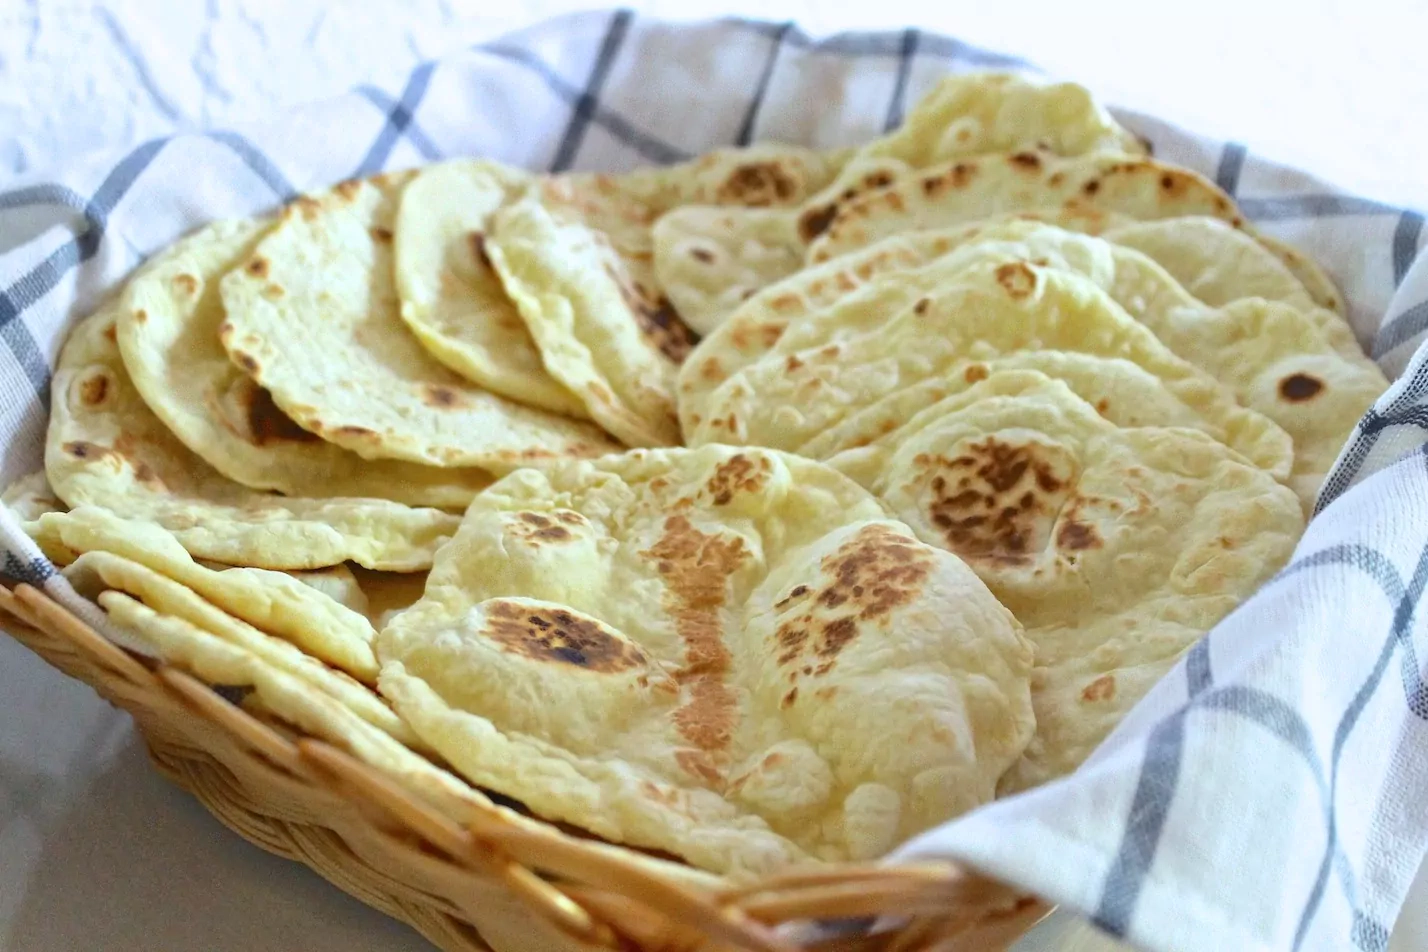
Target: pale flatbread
[
  {"x": 169, "y": 319},
  {"x": 1122, "y": 392},
  {"x": 598, "y": 335},
  {"x": 274, "y": 602},
  {"x": 313, "y": 317},
  {"x": 578, "y": 243},
  {"x": 337, "y": 582},
  {"x": 106, "y": 448},
  {"x": 97, "y": 571},
  {"x": 30, "y": 497},
  {"x": 451, "y": 298},
  {"x": 1117, "y": 548},
  {"x": 702, "y": 651},
  {"x": 901, "y": 329}
]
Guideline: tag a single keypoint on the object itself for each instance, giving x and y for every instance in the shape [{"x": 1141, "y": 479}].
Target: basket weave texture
[{"x": 482, "y": 882}]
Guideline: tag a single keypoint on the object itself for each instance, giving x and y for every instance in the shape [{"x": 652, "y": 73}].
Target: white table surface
[{"x": 96, "y": 852}]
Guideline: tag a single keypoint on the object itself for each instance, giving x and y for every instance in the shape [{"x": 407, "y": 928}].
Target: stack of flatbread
[{"x": 657, "y": 502}]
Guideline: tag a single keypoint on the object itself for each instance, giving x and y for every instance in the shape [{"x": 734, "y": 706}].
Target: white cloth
[{"x": 1262, "y": 797}]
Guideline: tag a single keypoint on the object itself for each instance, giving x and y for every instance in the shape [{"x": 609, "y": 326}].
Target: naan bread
[
  {"x": 708, "y": 260},
  {"x": 30, "y": 497},
  {"x": 1219, "y": 264},
  {"x": 313, "y": 317},
  {"x": 976, "y": 113},
  {"x": 1276, "y": 359},
  {"x": 106, "y": 448},
  {"x": 1122, "y": 392},
  {"x": 274, "y": 602},
  {"x": 702, "y": 651},
  {"x": 597, "y": 334},
  {"x": 582, "y": 243},
  {"x": 1117, "y": 548},
  {"x": 761, "y": 175},
  {"x": 979, "y": 187},
  {"x": 455, "y": 305},
  {"x": 755, "y": 327},
  {"x": 451, "y": 298},
  {"x": 97, "y": 571},
  {"x": 901, "y": 329},
  {"x": 1214, "y": 261},
  {"x": 1315, "y": 279},
  {"x": 169, "y": 318}
]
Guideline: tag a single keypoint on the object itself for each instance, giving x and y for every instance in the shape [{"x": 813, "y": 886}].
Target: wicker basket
[{"x": 488, "y": 883}]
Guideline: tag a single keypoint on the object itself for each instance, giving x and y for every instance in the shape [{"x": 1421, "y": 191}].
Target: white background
[{"x": 1337, "y": 88}]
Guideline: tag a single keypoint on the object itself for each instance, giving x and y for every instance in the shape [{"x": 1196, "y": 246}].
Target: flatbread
[
  {"x": 30, "y": 497},
  {"x": 273, "y": 602},
  {"x": 1117, "y": 548},
  {"x": 97, "y": 571},
  {"x": 1122, "y": 392},
  {"x": 901, "y": 329},
  {"x": 451, "y": 298},
  {"x": 598, "y": 335},
  {"x": 705, "y": 278},
  {"x": 701, "y": 650},
  {"x": 1220, "y": 264},
  {"x": 1315, "y": 279},
  {"x": 1275, "y": 358},
  {"x": 1214, "y": 261},
  {"x": 755, "y": 327},
  {"x": 319, "y": 704},
  {"x": 708, "y": 260},
  {"x": 977, "y": 113},
  {"x": 169, "y": 317},
  {"x": 355, "y": 375},
  {"x": 604, "y": 222},
  {"x": 106, "y": 448},
  {"x": 979, "y": 187}
]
